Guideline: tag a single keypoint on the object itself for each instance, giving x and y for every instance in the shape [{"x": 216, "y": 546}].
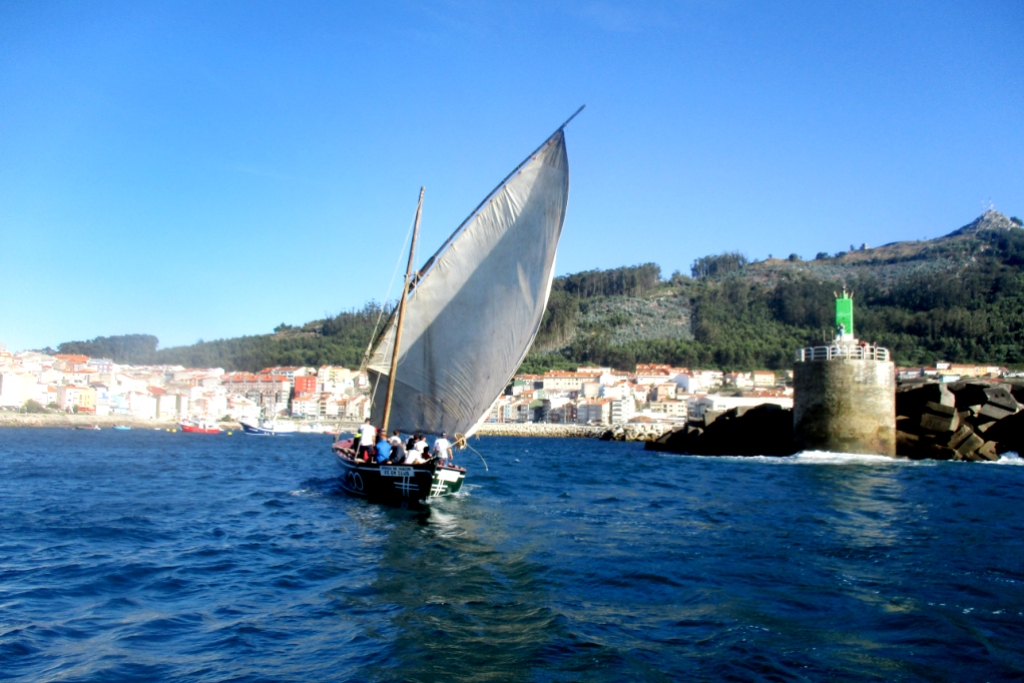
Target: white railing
[{"x": 842, "y": 352}]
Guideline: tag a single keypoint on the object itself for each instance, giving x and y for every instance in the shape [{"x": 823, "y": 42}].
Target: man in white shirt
[
  {"x": 443, "y": 449},
  {"x": 367, "y": 438}
]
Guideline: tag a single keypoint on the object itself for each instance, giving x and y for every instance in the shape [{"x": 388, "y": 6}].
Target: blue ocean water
[{"x": 150, "y": 556}]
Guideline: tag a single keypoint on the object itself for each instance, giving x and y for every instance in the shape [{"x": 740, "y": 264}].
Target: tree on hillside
[
  {"x": 710, "y": 266},
  {"x": 124, "y": 348},
  {"x": 627, "y": 281}
]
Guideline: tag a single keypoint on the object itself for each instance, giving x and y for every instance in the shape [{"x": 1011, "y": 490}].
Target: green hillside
[{"x": 958, "y": 298}]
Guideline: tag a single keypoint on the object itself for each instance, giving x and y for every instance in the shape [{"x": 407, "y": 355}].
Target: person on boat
[
  {"x": 414, "y": 453},
  {"x": 398, "y": 452},
  {"x": 367, "y": 437},
  {"x": 383, "y": 450},
  {"x": 443, "y": 449},
  {"x": 420, "y": 446}
]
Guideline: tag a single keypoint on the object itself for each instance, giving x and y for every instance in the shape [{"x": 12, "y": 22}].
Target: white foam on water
[
  {"x": 827, "y": 458},
  {"x": 1010, "y": 458},
  {"x": 821, "y": 458}
]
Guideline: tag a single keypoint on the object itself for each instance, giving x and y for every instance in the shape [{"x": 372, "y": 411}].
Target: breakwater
[
  {"x": 69, "y": 420},
  {"x": 635, "y": 432},
  {"x": 959, "y": 421},
  {"x": 541, "y": 430},
  {"x": 623, "y": 432},
  {"x": 627, "y": 432},
  {"x": 973, "y": 421}
]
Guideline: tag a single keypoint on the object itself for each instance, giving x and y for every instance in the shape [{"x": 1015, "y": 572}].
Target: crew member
[
  {"x": 397, "y": 448},
  {"x": 417, "y": 450},
  {"x": 383, "y": 450},
  {"x": 367, "y": 437},
  {"x": 443, "y": 449}
]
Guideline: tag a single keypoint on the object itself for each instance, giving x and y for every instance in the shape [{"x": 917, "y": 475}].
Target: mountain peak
[{"x": 990, "y": 220}]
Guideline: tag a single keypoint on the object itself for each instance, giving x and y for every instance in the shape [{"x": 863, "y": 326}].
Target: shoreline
[
  {"x": 555, "y": 431},
  {"x": 626, "y": 432},
  {"x": 70, "y": 421},
  {"x": 542, "y": 430}
]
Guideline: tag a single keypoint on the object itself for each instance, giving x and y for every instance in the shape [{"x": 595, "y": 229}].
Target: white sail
[{"x": 471, "y": 319}]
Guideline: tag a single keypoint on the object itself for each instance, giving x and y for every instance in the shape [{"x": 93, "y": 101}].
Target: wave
[
  {"x": 818, "y": 458},
  {"x": 1010, "y": 458},
  {"x": 829, "y": 458}
]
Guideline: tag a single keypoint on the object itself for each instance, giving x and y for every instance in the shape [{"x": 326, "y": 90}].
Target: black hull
[{"x": 397, "y": 484}]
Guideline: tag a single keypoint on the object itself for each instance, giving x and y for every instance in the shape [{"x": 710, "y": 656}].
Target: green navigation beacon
[{"x": 844, "y": 317}]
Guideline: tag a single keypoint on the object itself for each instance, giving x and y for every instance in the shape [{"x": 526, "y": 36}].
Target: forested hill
[
  {"x": 338, "y": 340},
  {"x": 958, "y": 298}
]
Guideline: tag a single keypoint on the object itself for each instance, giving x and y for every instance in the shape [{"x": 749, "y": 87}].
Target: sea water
[{"x": 152, "y": 556}]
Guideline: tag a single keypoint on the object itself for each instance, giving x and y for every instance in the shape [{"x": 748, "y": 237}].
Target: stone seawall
[
  {"x": 548, "y": 430},
  {"x": 968, "y": 420},
  {"x": 635, "y": 432},
  {"x": 8, "y": 419},
  {"x": 627, "y": 432},
  {"x": 69, "y": 420}
]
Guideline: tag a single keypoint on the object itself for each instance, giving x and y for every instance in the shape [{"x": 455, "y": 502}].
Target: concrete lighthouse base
[{"x": 845, "y": 405}]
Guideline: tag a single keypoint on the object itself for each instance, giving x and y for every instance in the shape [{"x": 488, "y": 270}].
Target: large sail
[{"x": 471, "y": 319}]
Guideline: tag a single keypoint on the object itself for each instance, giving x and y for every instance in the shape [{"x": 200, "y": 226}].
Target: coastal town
[{"x": 31, "y": 381}]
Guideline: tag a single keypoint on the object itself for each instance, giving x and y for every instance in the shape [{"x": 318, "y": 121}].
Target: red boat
[{"x": 200, "y": 427}]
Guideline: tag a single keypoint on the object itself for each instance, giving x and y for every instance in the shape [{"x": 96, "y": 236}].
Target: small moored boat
[
  {"x": 267, "y": 428},
  {"x": 199, "y": 427}
]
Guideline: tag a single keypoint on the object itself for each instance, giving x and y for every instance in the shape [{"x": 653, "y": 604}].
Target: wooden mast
[{"x": 401, "y": 319}]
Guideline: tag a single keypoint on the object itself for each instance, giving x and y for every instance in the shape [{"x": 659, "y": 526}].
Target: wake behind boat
[{"x": 468, "y": 320}]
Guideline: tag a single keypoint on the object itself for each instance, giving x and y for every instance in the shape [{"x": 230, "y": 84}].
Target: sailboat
[{"x": 464, "y": 324}]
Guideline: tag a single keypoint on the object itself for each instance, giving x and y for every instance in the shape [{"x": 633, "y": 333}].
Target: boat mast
[{"x": 401, "y": 319}]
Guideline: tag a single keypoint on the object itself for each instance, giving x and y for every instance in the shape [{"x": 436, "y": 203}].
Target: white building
[
  {"x": 597, "y": 411},
  {"x": 306, "y": 406},
  {"x": 621, "y": 410},
  {"x": 618, "y": 390},
  {"x": 14, "y": 389},
  {"x": 671, "y": 408}
]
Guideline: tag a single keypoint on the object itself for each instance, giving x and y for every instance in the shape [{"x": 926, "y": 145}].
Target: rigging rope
[
  {"x": 460, "y": 443},
  {"x": 373, "y": 337}
]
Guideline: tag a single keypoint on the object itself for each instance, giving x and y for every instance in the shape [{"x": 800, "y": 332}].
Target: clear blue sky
[{"x": 211, "y": 169}]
